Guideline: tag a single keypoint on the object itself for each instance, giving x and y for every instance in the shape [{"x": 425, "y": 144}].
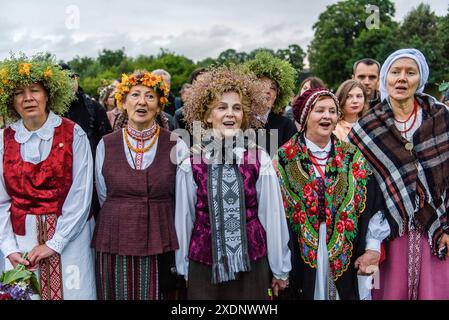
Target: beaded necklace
[
  {"x": 414, "y": 114},
  {"x": 143, "y": 150}
]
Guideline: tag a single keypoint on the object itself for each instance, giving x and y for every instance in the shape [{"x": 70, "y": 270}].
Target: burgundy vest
[
  {"x": 41, "y": 188},
  {"x": 201, "y": 241},
  {"x": 137, "y": 218}
]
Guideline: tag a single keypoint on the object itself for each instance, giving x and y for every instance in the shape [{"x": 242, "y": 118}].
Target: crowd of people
[{"x": 244, "y": 187}]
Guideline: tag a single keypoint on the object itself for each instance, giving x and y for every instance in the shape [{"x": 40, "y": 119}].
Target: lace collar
[{"x": 22, "y": 135}]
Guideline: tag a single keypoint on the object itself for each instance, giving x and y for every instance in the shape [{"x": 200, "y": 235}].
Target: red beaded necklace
[
  {"x": 413, "y": 114},
  {"x": 318, "y": 166}
]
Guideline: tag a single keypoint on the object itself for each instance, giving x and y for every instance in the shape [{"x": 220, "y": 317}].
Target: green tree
[
  {"x": 335, "y": 32},
  {"x": 231, "y": 56},
  {"x": 443, "y": 35},
  {"x": 109, "y": 58},
  {"x": 81, "y": 64},
  {"x": 419, "y": 30},
  {"x": 178, "y": 66},
  {"x": 375, "y": 43},
  {"x": 295, "y": 56}
]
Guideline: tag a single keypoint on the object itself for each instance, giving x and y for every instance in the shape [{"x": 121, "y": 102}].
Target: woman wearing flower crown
[
  {"x": 46, "y": 178},
  {"x": 135, "y": 234},
  {"x": 229, "y": 215},
  {"x": 329, "y": 200}
]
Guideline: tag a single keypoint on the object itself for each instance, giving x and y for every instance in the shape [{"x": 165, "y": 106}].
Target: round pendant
[
  {"x": 409, "y": 146},
  {"x": 61, "y": 145}
]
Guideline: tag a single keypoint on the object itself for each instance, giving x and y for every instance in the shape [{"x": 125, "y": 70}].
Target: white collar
[
  {"x": 314, "y": 148},
  {"x": 45, "y": 132}
]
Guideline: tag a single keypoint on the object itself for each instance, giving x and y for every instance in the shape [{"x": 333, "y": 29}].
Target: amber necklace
[{"x": 143, "y": 150}]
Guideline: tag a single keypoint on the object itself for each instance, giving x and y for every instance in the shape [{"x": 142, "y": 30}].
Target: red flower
[
  {"x": 362, "y": 174},
  {"x": 349, "y": 225},
  {"x": 315, "y": 185},
  {"x": 296, "y": 218},
  {"x": 307, "y": 191},
  {"x": 340, "y": 226},
  {"x": 328, "y": 212},
  {"x": 337, "y": 264},
  {"x": 357, "y": 199},
  {"x": 311, "y": 255},
  {"x": 302, "y": 217},
  {"x": 313, "y": 209},
  {"x": 5, "y": 296},
  {"x": 343, "y": 216},
  {"x": 316, "y": 226},
  {"x": 339, "y": 150},
  {"x": 355, "y": 167},
  {"x": 338, "y": 161},
  {"x": 297, "y": 207},
  {"x": 290, "y": 151}
]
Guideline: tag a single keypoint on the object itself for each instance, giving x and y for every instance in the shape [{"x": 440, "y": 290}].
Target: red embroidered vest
[{"x": 41, "y": 188}]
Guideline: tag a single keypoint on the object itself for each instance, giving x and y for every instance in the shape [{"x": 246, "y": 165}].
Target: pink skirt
[{"x": 393, "y": 283}]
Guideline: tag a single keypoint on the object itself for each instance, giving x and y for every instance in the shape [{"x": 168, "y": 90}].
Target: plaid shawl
[{"x": 399, "y": 171}]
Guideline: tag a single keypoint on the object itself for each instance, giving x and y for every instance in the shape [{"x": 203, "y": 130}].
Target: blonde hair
[{"x": 207, "y": 90}]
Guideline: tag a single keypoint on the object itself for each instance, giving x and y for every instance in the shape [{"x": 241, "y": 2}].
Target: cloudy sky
[{"x": 194, "y": 28}]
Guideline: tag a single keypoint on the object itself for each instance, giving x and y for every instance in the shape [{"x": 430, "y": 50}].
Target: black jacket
[
  {"x": 267, "y": 138},
  {"x": 92, "y": 118}
]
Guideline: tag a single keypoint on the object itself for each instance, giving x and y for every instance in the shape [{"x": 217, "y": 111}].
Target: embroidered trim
[{"x": 345, "y": 198}]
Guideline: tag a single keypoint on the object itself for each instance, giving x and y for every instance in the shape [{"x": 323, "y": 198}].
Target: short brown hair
[
  {"x": 343, "y": 92},
  {"x": 315, "y": 82}
]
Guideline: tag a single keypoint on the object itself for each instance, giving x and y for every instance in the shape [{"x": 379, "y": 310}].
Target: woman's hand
[
  {"x": 368, "y": 263},
  {"x": 39, "y": 253},
  {"x": 278, "y": 284},
  {"x": 16, "y": 258},
  {"x": 444, "y": 241}
]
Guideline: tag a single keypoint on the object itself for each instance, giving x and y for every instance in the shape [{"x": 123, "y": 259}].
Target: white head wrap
[{"x": 414, "y": 54}]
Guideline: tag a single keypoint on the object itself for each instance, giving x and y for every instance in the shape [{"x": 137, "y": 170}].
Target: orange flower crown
[{"x": 144, "y": 78}]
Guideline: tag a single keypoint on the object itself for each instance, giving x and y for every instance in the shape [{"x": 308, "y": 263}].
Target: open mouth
[
  {"x": 229, "y": 124},
  {"x": 325, "y": 125},
  {"x": 141, "y": 111}
]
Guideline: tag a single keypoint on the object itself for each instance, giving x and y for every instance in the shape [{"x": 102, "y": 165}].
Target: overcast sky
[{"x": 196, "y": 29}]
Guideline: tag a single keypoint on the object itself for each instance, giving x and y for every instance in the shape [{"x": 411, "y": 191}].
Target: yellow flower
[
  {"x": 24, "y": 69},
  {"x": 163, "y": 100},
  {"x": 48, "y": 73},
  {"x": 3, "y": 73},
  {"x": 133, "y": 80}
]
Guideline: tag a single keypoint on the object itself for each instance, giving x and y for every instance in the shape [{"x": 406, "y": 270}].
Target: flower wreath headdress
[
  {"x": 144, "y": 78},
  {"x": 22, "y": 71}
]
